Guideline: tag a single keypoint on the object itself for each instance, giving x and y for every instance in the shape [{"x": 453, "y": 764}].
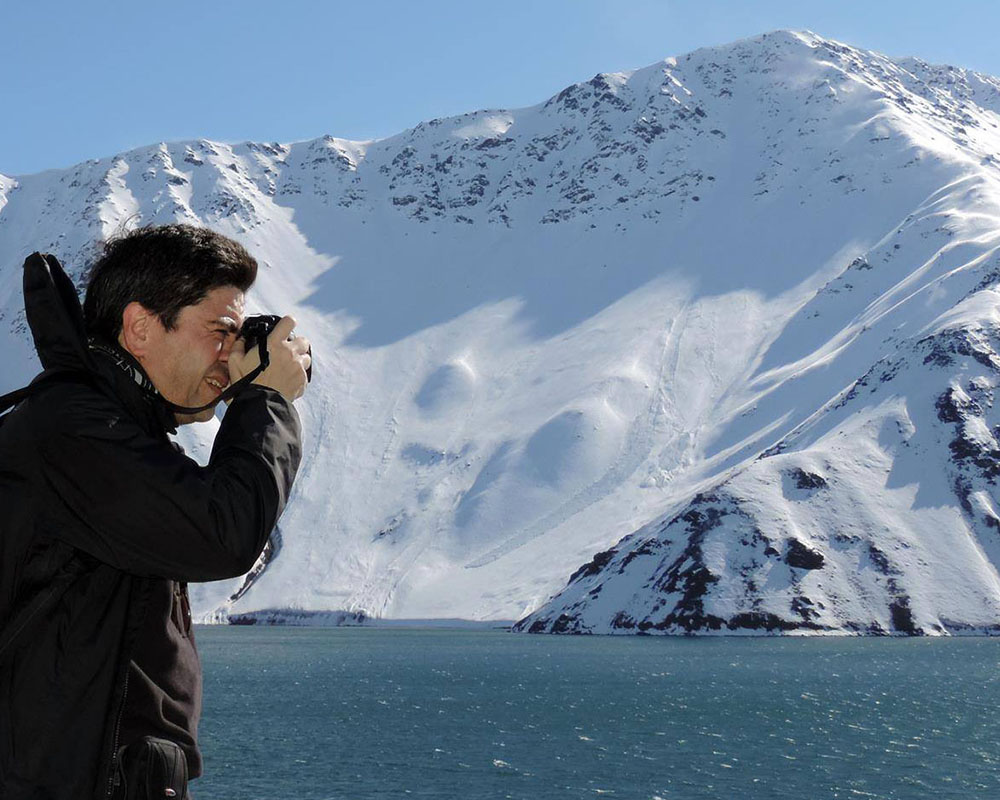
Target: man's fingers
[
  {"x": 291, "y": 359},
  {"x": 282, "y": 330},
  {"x": 235, "y": 361}
]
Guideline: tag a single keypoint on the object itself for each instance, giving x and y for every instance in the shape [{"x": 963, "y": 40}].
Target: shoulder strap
[
  {"x": 46, "y": 378},
  {"x": 11, "y": 399},
  {"x": 234, "y": 389}
]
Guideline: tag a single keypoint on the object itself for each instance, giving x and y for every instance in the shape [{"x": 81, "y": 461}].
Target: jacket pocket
[
  {"x": 151, "y": 768},
  {"x": 180, "y": 611}
]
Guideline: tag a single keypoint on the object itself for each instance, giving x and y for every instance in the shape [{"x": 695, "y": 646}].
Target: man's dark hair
[{"x": 165, "y": 268}]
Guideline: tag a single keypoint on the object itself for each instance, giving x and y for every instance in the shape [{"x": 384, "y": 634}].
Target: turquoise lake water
[{"x": 395, "y": 713}]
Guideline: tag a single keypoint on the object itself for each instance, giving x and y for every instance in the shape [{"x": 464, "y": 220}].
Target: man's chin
[{"x": 201, "y": 416}]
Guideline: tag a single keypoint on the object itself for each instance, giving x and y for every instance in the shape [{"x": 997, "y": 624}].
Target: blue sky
[{"x": 89, "y": 79}]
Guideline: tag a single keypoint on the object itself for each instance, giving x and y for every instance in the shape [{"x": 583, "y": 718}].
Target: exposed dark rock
[
  {"x": 991, "y": 278},
  {"x": 594, "y": 566},
  {"x": 764, "y": 620},
  {"x": 985, "y": 458},
  {"x": 648, "y": 130},
  {"x": 622, "y": 621},
  {"x": 807, "y": 480},
  {"x": 803, "y": 606},
  {"x": 298, "y": 617},
  {"x": 687, "y": 574},
  {"x": 962, "y": 491},
  {"x": 956, "y": 408},
  {"x": 971, "y": 343},
  {"x": 902, "y": 616},
  {"x": 266, "y": 558},
  {"x": 563, "y": 624},
  {"x": 774, "y": 450},
  {"x": 862, "y": 383},
  {"x": 881, "y": 560},
  {"x": 493, "y": 142},
  {"x": 647, "y": 548},
  {"x": 801, "y": 556},
  {"x": 947, "y": 408}
]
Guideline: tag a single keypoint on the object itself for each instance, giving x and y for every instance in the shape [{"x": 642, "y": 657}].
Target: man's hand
[{"x": 289, "y": 360}]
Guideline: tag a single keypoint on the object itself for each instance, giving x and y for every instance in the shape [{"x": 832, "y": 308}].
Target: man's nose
[{"x": 227, "y": 348}]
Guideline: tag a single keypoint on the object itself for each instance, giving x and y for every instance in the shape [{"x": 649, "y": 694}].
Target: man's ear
[{"x": 137, "y": 329}]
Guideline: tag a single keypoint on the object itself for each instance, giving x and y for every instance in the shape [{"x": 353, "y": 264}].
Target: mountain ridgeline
[{"x": 718, "y": 338}]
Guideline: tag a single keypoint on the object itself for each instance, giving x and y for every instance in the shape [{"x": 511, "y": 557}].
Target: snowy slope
[
  {"x": 874, "y": 508},
  {"x": 542, "y": 330}
]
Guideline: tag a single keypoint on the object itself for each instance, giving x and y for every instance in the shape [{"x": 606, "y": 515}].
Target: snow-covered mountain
[{"x": 726, "y": 322}]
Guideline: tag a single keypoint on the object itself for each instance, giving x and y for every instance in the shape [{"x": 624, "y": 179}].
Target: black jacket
[{"x": 90, "y": 482}]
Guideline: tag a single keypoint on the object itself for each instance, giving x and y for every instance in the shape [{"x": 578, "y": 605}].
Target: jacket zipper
[
  {"x": 114, "y": 744},
  {"x": 183, "y": 607},
  {"x": 118, "y": 727}
]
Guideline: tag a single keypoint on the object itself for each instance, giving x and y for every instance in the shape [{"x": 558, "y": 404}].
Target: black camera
[{"x": 257, "y": 328}]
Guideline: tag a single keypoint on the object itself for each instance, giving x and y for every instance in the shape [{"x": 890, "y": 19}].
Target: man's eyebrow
[{"x": 224, "y": 322}]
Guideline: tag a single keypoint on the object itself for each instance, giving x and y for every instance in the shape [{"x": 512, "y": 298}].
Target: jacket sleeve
[{"x": 138, "y": 504}]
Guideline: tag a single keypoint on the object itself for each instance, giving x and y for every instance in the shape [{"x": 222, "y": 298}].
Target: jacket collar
[
  {"x": 129, "y": 381},
  {"x": 125, "y": 361}
]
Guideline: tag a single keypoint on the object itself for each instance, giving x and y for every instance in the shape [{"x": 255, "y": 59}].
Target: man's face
[{"x": 189, "y": 364}]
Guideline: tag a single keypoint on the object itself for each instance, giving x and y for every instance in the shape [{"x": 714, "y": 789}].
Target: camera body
[{"x": 257, "y": 328}]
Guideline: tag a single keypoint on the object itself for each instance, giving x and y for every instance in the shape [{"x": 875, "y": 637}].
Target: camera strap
[
  {"x": 233, "y": 389},
  {"x": 131, "y": 367}
]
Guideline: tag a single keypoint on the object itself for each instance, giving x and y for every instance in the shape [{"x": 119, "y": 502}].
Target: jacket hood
[
  {"x": 55, "y": 317},
  {"x": 54, "y": 314}
]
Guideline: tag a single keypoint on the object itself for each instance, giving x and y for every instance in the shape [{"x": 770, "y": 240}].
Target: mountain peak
[{"x": 680, "y": 325}]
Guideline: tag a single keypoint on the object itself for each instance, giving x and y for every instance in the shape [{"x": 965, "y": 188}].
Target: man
[{"x": 104, "y": 521}]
